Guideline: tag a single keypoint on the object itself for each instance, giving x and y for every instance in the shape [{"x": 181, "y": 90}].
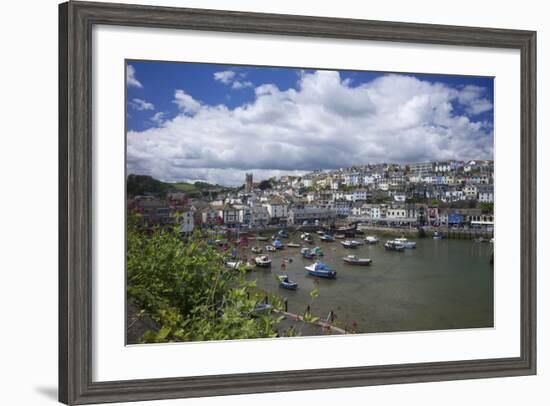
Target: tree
[
  {"x": 265, "y": 184},
  {"x": 187, "y": 291},
  {"x": 486, "y": 207}
]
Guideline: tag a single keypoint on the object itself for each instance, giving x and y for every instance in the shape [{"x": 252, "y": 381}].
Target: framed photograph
[{"x": 259, "y": 202}]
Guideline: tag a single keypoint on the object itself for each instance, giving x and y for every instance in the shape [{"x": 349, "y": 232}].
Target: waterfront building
[{"x": 310, "y": 215}]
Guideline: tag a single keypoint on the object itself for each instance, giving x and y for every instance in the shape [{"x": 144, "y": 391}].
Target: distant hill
[{"x": 144, "y": 184}]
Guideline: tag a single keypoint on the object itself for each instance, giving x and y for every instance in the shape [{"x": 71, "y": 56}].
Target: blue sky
[{"x": 211, "y": 122}]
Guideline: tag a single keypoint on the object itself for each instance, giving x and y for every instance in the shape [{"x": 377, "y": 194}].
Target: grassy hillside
[{"x": 143, "y": 184}]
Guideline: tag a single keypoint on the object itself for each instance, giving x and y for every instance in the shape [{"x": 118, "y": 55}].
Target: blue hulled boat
[{"x": 321, "y": 270}]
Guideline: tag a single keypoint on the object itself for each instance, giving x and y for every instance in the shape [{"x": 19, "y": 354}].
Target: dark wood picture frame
[{"x": 76, "y": 20}]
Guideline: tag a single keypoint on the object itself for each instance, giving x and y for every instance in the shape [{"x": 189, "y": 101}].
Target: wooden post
[{"x": 286, "y": 305}]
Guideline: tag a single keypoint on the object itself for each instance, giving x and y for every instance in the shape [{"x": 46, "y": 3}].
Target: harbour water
[{"x": 442, "y": 284}]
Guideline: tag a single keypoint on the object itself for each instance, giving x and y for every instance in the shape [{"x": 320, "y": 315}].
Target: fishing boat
[
  {"x": 353, "y": 260},
  {"x": 437, "y": 235},
  {"x": 350, "y": 244},
  {"x": 263, "y": 261},
  {"x": 233, "y": 264},
  {"x": 293, "y": 245},
  {"x": 372, "y": 239},
  {"x": 393, "y": 245},
  {"x": 256, "y": 250},
  {"x": 317, "y": 251},
  {"x": 406, "y": 242},
  {"x": 306, "y": 253},
  {"x": 286, "y": 283},
  {"x": 270, "y": 248},
  {"x": 282, "y": 234},
  {"x": 327, "y": 238},
  {"x": 321, "y": 270},
  {"x": 481, "y": 239},
  {"x": 278, "y": 245},
  {"x": 307, "y": 238}
]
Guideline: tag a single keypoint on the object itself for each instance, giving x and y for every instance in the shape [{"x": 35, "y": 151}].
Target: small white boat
[
  {"x": 437, "y": 235},
  {"x": 293, "y": 245},
  {"x": 406, "y": 243},
  {"x": 256, "y": 250},
  {"x": 392, "y": 245},
  {"x": 372, "y": 239},
  {"x": 340, "y": 236},
  {"x": 320, "y": 232},
  {"x": 350, "y": 244},
  {"x": 263, "y": 261},
  {"x": 270, "y": 248},
  {"x": 353, "y": 260},
  {"x": 327, "y": 238},
  {"x": 233, "y": 264}
]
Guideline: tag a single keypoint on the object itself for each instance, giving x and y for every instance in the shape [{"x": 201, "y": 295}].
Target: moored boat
[
  {"x": 394, "y": 246},
  {"x": 340, "y": 236},
  {"x": 317, "y": 251},
  {"x": 327, "y": 238},
  {"x": 233, "y": 264},
  {"x": 306, "y": 253},
  {"x": 293, "y": 245},
  {"x": 321, "y": 270},
  {"x": 353, "y": 260},
  {"x": 406, "y": 243},
  {"x": 307, "y": 238},
  {"x": 372, "y": 239},
  {"x": 263, "y": 261},
  {"x": 262, "y": 238},
  {"x": 437, "y": 235},
  {"x": 282, "y": 234},
  {"x": 256, "y": 250},
  {"x": 286, "y": 283},
  {"x": 350, "y": 244},
  {"x": 270, "y": 248},
  {"x": 278, "y": 245}
]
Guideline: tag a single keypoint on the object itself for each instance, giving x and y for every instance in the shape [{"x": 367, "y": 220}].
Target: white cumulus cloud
[
  {"x": 140, "y": 105},
  {"x": 323, "y": 123},
  {"x": 131, "y": 80}
]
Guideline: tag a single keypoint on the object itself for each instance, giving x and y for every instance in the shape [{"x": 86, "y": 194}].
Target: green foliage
[
  {"x": 486, "y": 207},
  {"x": 187, "y": 291}
]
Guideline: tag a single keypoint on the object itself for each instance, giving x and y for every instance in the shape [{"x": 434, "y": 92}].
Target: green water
[{"x": 442, "y": 284}]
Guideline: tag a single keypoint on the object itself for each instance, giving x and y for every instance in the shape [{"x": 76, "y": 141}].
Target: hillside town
[{"x": 453, "y": 194}]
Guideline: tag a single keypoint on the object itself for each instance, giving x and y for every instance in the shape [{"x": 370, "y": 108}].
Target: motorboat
[
  {"x": 353, "y": 260},
  {"x": 286, "y": 283},
  {"x": 350, "y": 244},
  {"x": 306, "y": 253},
  {"x": 393, "y": 245},
  {"x": 327, "y": 238},
  {"x": 233, "y": 264},
  {"x": 278, "y": 245},
  {"x": 372, "y": 239},
  {"x": 406, "y": 242},
  {"x": 256, "y": 250},
  {"x": 307, "y": 238},
  {"x": 263, "y": 261},
  {"x": 321, "y": 270},
  {"x": 270, "y": 248},
  {"x": 317, "y": 251},
  {"x": 282, "y": 234}
]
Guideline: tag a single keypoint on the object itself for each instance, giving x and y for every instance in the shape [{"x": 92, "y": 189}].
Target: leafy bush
[{"x": 187, "y": 291}]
